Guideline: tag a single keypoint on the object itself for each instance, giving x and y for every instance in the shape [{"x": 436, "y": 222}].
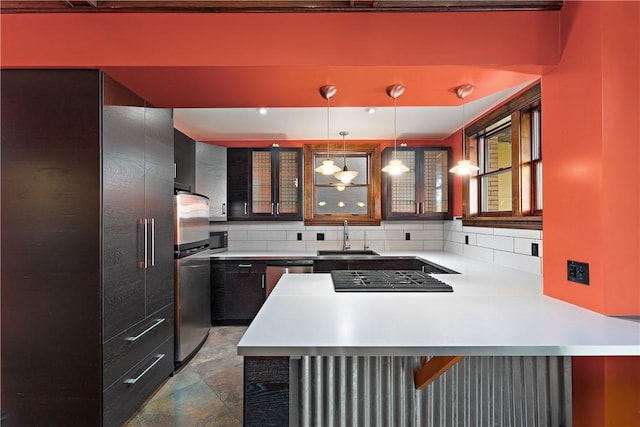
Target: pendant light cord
[
  {"x": 328, "y": 123},
  {"x": 395, "y": 126}
]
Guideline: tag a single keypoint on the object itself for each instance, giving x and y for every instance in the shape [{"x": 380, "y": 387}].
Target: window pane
[
  {"x": 539, "y": 185},
  {"x": 355, "y": 162},
  {"x": 403, "y": 187},
  {"x": 352, "y": 200},
  {"x": 288, "y": 182},
  {"x": 535, "y": 134},
  {"x": 496, "y": 191},
  {"x": 261, "y": 183},
  {"x": 498, "y": 150},
  {"x": 473, "y": 196},
  {"x": 436, "y": 172}
]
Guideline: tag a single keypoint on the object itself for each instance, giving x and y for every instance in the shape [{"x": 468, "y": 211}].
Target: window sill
[{"x": 523, "y": 222}]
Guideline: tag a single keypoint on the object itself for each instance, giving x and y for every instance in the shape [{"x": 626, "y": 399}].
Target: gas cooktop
[{"x": 386, "y": 281}]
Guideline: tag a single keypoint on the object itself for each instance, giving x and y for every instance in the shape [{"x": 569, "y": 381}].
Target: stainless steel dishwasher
[{"x": 277, "y": 267}]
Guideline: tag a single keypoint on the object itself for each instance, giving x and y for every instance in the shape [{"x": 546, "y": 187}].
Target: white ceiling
[{"x": 296, "y": 124}]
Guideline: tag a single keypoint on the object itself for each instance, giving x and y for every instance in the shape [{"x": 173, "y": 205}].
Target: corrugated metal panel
[{"x": 478, "y": 391}]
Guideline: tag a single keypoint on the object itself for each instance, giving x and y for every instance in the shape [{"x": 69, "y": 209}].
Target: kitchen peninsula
[{"x": 318, "y": 345}]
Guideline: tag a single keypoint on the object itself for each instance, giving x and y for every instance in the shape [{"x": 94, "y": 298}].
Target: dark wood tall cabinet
[{"x": 87, "y": 248}]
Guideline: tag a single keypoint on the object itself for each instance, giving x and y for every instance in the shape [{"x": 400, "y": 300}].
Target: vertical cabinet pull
[
  {"x": 278, "y": 208},
  {"x": 153, "y": 242},
  {"x": 224, "y": 209},
  {"x": 263, "y": 281},
  {"x": 158, "y": 358},
  {"x": 245, "y": 208},
  {"x": 417, "y": 208},
  {"x": 142, "y": 263}
]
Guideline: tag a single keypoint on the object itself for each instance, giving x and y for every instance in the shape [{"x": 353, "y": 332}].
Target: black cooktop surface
[{"x": 386, "y": 281}]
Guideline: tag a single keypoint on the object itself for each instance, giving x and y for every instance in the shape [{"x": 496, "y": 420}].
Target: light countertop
[{"x": 492, "y": 311}]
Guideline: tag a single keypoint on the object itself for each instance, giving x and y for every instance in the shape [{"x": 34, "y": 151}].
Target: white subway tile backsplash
[
  {"x": 507, "y": 247},
  {"x": 248, "y": 245},
  {"x": 433, "y": 225},
  {"x": 427, "y": 235},
  {"x": 237, "y": 235},
  {"x": 502, "y": 243},
  {"x": 527, "y": 263},
  {"x": 478, "y": 230},
  {"x": 453, "y": 247},
  {"x": 523, "y": 246},
  {"x": 406, "y": 225},
  {"x": 399, "y": 245},
  {"x": 288, "y": 245},
  {"x": 266, "y": 235},
  {"x": 477, "y": 252},
  {"x": 528, "y": 234},
  {"x": 454, "y": 236},
  {"x": 433, "y": 245}
]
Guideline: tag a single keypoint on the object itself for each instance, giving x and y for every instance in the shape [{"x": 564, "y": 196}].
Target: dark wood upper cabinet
[
  {"x": 184, "y": 152},
  {"x": 424, "y": 192},
  {"x": 264, "y": 184}
]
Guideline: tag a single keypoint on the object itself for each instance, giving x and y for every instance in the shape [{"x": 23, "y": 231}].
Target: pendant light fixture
[
  {"x": 327, "y": 167},
  {"x": 345, "y": 175},
  {"x": 395, "y": 166},
  {"x": 464, "y": 166}
]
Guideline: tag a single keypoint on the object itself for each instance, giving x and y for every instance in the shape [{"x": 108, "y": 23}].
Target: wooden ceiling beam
[{"x": 220, "y": 6}]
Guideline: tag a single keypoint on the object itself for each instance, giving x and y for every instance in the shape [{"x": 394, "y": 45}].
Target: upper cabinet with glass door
[
  {"x": 264, "y": 183},
  {"x": 424, "y": 191}
]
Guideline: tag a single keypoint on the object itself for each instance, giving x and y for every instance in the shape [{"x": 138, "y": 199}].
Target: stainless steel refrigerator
[{"x": 192, "y": 274}]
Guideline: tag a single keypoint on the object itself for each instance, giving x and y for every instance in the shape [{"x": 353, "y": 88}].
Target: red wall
[
  {"x": 590, "y": 129},
  {"x": 591, "y": 151}
]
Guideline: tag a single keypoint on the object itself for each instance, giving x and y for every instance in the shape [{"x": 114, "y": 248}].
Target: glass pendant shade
[
  {"x": 345, "y": 175},
  {"x": 395, "y": 167},
  {"x": 327, "y": 167},
  {"x": 464, "y": 167}
]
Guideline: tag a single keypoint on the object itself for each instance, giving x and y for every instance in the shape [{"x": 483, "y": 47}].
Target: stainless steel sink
[{"x": 348, "y": 252}]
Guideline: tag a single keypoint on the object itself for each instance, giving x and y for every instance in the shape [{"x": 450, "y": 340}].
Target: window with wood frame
[
  {"x": 329, "y": 202},
  {"x": 507, "y": 146}
]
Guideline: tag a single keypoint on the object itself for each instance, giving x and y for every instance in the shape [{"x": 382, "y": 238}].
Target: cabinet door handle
[
  {"x": 153, "y": 242},
  {"x": 271, "y": 208},
  {"x": 278, "y": 208},
  {"x": 136, "y": 379},
  {"x": 137, "y": 337},
  {"x": 224, "y": 209},
  {"x": 244, "y": 265},
  {"x": 143, "y": 263},
  {"x": 245, "y": 208},
  {"x": 263, "y": 281},
  {"x": 417, "y": 208}
]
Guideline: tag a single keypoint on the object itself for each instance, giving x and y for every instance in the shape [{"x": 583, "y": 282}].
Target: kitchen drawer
[
  {"x": 120, "y": 354},
  {"x": 245, "y": 267},
  {"x": 126, "y": 395}
]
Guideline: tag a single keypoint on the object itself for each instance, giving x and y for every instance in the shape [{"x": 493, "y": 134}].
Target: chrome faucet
[{"x": 345, "y": 236}]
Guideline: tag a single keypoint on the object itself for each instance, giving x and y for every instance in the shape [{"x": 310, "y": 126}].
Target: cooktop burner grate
[{"x": 386, "y": 281}]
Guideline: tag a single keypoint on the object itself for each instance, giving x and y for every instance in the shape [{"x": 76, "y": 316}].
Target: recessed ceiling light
[
  {"x": 370, "y": 110},
  {"x": 262, "y": 111}
]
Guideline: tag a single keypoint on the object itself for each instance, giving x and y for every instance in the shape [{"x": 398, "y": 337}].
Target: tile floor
[{"x": 207, "y": 391}]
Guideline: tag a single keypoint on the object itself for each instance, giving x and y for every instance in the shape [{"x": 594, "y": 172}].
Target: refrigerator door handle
[{"x": 224, "y": 209}]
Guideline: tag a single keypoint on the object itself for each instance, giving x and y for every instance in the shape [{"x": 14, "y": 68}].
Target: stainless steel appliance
[
  {"x": 277, "y": 267},
  {"x": 192, "y": 274},
  {"x": 218, "y": 241},
  {"x": 386, "y": 281}
]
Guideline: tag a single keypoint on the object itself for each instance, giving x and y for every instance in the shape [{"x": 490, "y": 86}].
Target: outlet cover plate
[{"x": 578, "y": 272}]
